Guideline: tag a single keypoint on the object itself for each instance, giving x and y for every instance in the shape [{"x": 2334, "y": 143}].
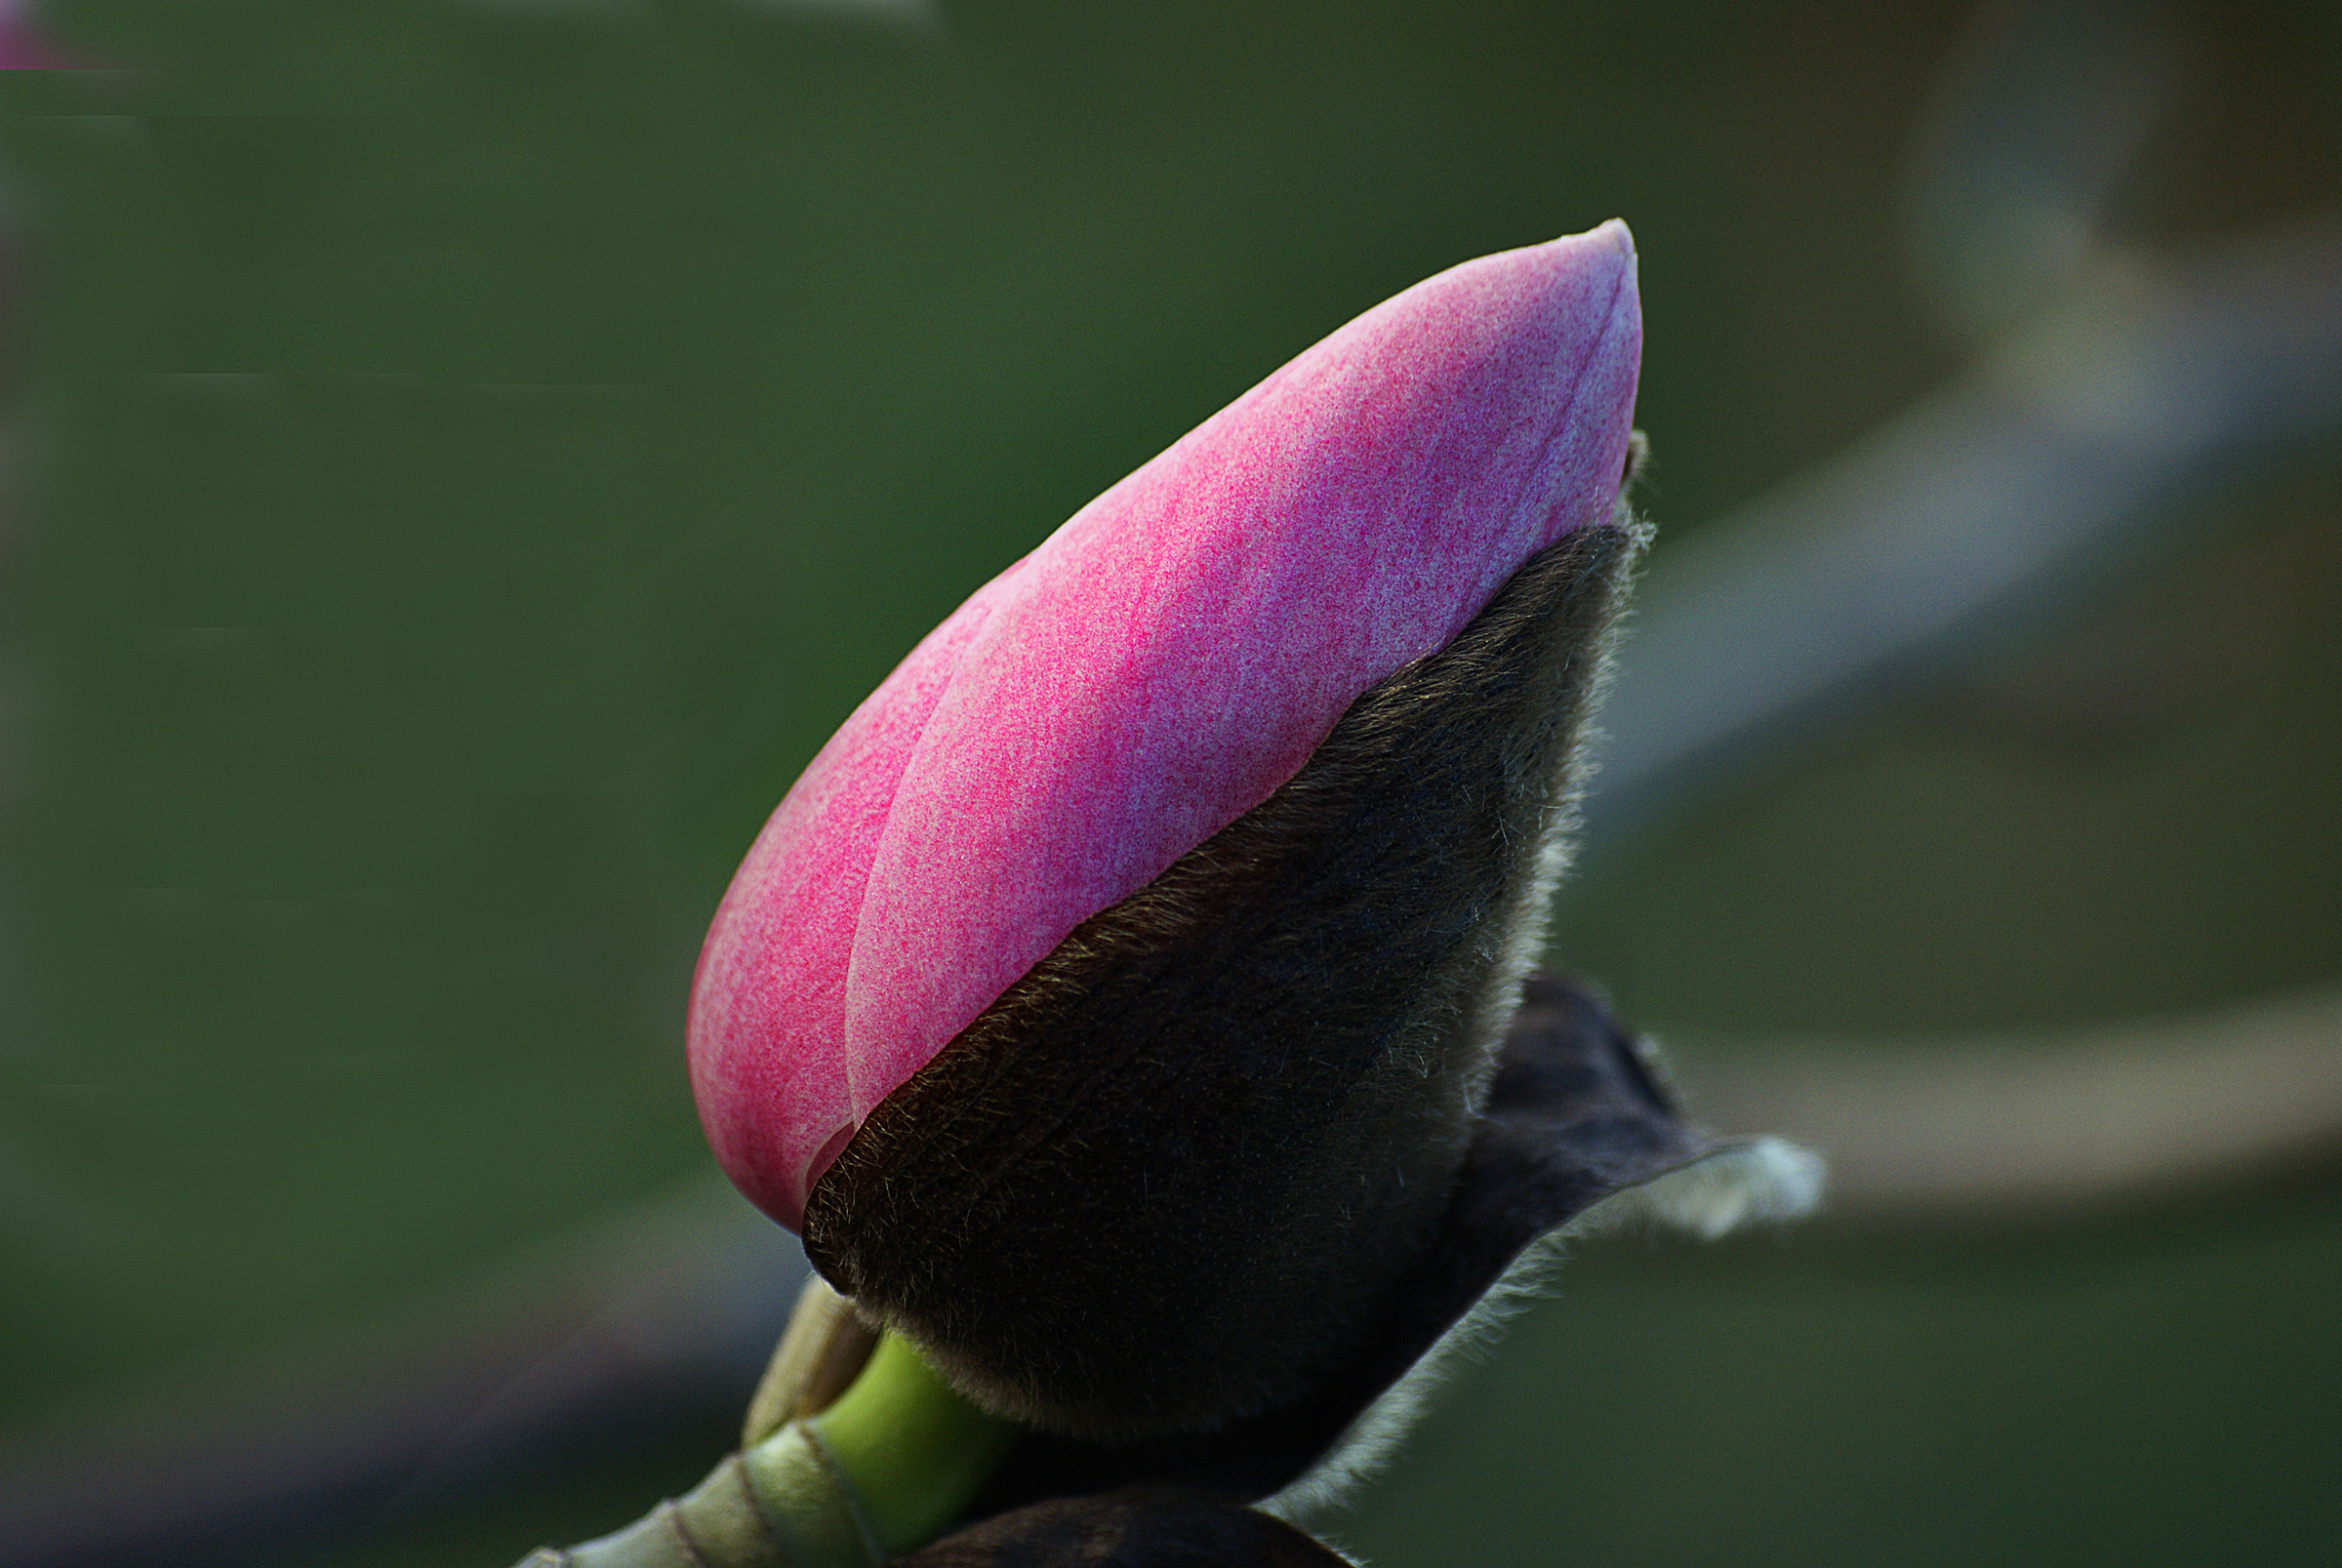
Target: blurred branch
[
  {"x": 2109, "y": 381},
  {"x": 2043, "y": 1123},
  {"x": 2024, "y": 147},
  {"x": 2149, "y": 379},
  {"x": 667, "y": 1309}
]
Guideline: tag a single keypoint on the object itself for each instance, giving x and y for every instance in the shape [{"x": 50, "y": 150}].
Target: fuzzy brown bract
[{"x": 1174, "y": 1177}]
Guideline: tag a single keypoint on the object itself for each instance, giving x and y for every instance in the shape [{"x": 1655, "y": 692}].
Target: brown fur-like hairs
[{"x": 1176, "y": 1173}]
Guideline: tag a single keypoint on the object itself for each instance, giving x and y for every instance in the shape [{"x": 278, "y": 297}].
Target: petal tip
[
  {"x": 1602, "y": 257},
  {"x": 1614, "y": 241}
]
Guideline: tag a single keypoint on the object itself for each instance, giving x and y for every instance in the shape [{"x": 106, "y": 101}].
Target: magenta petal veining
[{"x": 1152, "y": 671}]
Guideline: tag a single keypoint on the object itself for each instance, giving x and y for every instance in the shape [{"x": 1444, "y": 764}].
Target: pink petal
[
  {"x": 767, "y": 1024},
  {"x": 1156, "y": 668}
]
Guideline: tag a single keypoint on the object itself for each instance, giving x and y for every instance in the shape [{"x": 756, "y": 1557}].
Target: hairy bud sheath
[
  {"x": 1225, "y": 1114},
  {"x": 1112, "y": 999}
]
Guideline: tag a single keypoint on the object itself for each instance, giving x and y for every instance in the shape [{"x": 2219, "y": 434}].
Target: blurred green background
[{"x": 465, "y": 459}]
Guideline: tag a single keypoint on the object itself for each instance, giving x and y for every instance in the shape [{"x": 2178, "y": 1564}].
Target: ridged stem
[{"x": 881, "y": 1471}]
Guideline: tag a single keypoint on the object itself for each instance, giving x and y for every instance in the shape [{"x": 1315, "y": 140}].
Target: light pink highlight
[{"x": 1153, "y": 670}]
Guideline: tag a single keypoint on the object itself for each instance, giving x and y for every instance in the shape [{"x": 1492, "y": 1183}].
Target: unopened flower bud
[{"x": 1112, "y": 1001}]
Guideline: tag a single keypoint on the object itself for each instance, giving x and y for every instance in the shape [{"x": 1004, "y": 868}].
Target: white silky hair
[
  {"x": 1711, "y": 1195},
  {"x": 1763, "y": 1179},
  {"x": 1522, "y": 935}
]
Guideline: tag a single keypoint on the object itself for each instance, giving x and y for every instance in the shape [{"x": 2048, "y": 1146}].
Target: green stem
[
  {"x": 914, "y": 1451},
  {"x": 882, "y": 1471}
]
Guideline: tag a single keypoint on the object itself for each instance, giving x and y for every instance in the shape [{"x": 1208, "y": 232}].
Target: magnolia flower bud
[{"x": 1112, "y": 1001}]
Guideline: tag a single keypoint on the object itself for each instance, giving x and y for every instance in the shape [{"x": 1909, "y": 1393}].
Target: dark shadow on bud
[
  {"x": 1137, "y": 1528},
  {"x": 1188, "y": 1169}
]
